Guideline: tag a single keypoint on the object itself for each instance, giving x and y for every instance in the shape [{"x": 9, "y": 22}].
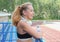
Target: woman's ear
[{"x": 24, "y": 12}]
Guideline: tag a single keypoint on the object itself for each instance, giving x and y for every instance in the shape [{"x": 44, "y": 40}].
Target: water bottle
[
  {"x": 38, "y": 28},
  {"x": 41, "y": 39}
]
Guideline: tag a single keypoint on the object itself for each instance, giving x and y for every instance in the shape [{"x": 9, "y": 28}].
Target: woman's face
[{"x": 29, "y": 13}]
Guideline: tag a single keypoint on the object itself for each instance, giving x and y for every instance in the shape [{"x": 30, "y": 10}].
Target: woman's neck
[{"x": 26, "y": 18}]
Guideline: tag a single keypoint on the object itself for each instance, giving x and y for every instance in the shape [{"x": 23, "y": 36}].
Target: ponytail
[{"x": 16, "y": 16}]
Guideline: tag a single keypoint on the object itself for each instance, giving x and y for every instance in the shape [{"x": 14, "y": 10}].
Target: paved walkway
[
  {"x": 50, "y": 35},
  {"x": 50, "y": 31}
]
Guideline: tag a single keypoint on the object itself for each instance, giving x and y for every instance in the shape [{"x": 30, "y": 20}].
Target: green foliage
[
  {"x": 44, "y": 9},
  {"x": 7, "y": 4}
]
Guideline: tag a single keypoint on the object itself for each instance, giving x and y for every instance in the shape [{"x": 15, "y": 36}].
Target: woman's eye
[{"x": 31, "y": 10}]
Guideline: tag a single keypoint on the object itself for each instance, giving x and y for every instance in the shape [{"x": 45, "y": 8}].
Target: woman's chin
[{"x": 31, "y": 18}]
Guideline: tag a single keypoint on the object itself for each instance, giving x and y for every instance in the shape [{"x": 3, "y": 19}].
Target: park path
[{"x": 50, "y": 32}]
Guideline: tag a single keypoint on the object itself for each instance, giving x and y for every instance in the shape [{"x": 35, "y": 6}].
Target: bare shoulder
[{"x": 22, "y": 24}]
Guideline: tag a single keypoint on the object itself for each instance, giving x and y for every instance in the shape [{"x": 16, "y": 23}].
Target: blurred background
[{"x": 44, "y": 9}]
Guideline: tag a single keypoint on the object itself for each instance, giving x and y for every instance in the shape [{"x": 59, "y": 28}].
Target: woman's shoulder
[{"x": 22, "y": 22}]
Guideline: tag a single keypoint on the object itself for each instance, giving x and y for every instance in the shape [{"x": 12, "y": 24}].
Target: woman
[{"x": 21, "y": 18}]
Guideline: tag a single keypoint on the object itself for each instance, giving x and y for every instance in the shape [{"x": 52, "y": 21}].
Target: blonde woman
[{"x": 21, "y": 18}]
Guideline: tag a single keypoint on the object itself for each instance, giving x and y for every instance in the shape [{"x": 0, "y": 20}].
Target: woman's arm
[{"x": 31, "y": 30}]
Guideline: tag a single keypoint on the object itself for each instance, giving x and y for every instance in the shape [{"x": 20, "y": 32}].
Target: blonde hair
[{"x": 16, "y": 16}]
